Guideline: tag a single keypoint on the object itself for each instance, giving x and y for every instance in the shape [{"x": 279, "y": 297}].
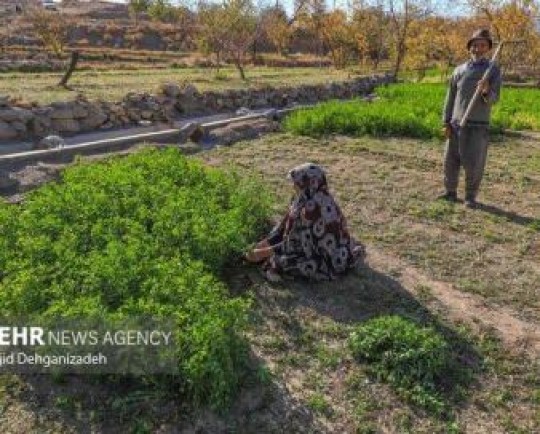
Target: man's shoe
[
  {"x": 471, "y": 203},
  {"x": 450, "y": 196}
]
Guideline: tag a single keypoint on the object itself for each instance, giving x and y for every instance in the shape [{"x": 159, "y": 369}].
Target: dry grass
[
  {"x": 424, "y": 256},
  {"x": 387, "y": 189},
  {"x": 113, "y": 85}
]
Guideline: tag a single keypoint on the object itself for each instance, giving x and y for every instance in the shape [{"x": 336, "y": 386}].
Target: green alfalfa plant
[
  {"x": 148, "y": 234},
  {"x": 412, "y": 358},
  {"x": 409, "y": 110}
]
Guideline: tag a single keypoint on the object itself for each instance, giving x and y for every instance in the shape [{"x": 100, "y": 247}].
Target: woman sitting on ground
[{"x": 312, "y": 239}]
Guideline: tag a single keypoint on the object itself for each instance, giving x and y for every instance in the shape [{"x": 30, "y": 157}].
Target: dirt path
[{"x": 474, "y": 310}]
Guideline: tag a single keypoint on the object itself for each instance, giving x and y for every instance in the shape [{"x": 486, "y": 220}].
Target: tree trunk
[
  {"x": 218, "y": 61},
  {"x": 399, "y": 58},
  {"x": 71, "y": 68},
  {"x": 254, "y": 53},
  {"x": 375, "y": 62},
  {"x": 238, "y": 65},
  {"x": 401, "y": 32}
]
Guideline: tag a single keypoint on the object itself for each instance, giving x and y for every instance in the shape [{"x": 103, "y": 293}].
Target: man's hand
[
  {"x": 484, "y": 86},
  {"x": 447, "y": 130}
]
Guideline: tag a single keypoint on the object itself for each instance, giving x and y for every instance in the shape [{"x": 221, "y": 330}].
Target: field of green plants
[
  {"x": 410, "y": 110},
  {"x": 151, "y": 235}
]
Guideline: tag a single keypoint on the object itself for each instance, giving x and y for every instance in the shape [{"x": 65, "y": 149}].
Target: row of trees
[
  {"x": 411, "y": 33},
  {"x": 407, "y": 33}
]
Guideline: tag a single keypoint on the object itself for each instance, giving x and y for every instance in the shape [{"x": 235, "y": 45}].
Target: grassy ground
[
  {"x": 472, "y": 274},
  {"x": 113, "y": 85},
  {"x": 456, "y": 266},
  {"x": 387, "y": 187}
]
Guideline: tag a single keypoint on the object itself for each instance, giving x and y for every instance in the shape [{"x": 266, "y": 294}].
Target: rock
[
  {"x": 7, "y": 132},
  {"x": 43, "y": 111},
  {"x": 116, "y": 109},
  {"x": 191, "y": 131},
  {"x": 40, "y": 125},
  {"x": 65, "y": 125},
  {"x": 60, "y": 105},
  {"x": 132, "y": 97},
  {"x": 62, "y": 113},
  {"x": 271, "y": 114},
  {"x": 94, "y": 120},
  {"x": 81, "y": 97},
  {"x": 370, "y": 97},
  {"x": 19, "y": 126},
  {"x": 249, "y": 129},
  {"x": 172, "y": 90},
  {"x": 4, "y": 100},
  {"x": 80, "y": 111},
  {"x": 15, "y": 114},
  {"x": 153, "y": 106},
  {"x": 169, "y": 111},
  {"x": 106, "y": 126},
  {"x": 189, "y": 91},
  {"x": 243, "y": 111},
  {"x": 259, "y": 102},
  {"x": 51, "y": 142},
  {"x": 134, "y": 115}
]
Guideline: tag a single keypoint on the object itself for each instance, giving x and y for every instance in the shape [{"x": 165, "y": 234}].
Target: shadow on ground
[
  {"x": 82, "y": 404},
  {"x": 263, "y": 405},
  {"x": 363, "y": 294},
  {"x": 508, "y": 215}
]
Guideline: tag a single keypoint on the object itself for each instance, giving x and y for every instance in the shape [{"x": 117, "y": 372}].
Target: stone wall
[{"x": 173, "y": 101}]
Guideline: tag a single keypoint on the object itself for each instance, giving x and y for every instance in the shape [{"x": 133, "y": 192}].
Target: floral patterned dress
[{"x": 312, "y": 239}]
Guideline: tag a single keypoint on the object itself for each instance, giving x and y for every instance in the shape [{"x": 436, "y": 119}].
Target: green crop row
[
  {"x": 149, "y": 234},
  {"x": 409, "y": 110},
  {"x": 413, "y": 359}
]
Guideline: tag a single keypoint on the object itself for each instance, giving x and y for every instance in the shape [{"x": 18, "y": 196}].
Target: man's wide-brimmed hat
[{"x": 480, "y": 34}]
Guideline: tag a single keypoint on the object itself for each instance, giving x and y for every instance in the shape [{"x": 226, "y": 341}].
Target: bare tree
[
  {"x": 402, "y": 13},
  {"x": 229, "y": 29}
]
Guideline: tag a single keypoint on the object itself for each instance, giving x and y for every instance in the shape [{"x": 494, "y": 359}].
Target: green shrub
[
  {"x": 149, "y": 234},
  {"x": 411, "y": 358},
  {"x": 409, "y": 110}
]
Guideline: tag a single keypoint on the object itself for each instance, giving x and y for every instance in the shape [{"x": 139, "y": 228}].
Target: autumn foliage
[{"x": 399, "y": 35}]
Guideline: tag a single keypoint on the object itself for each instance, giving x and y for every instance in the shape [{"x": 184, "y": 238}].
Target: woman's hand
[{"x": 261, "y": 251}]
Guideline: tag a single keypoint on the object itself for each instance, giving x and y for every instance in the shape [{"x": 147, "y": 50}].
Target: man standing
[{"x": 468, "y": 145}]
